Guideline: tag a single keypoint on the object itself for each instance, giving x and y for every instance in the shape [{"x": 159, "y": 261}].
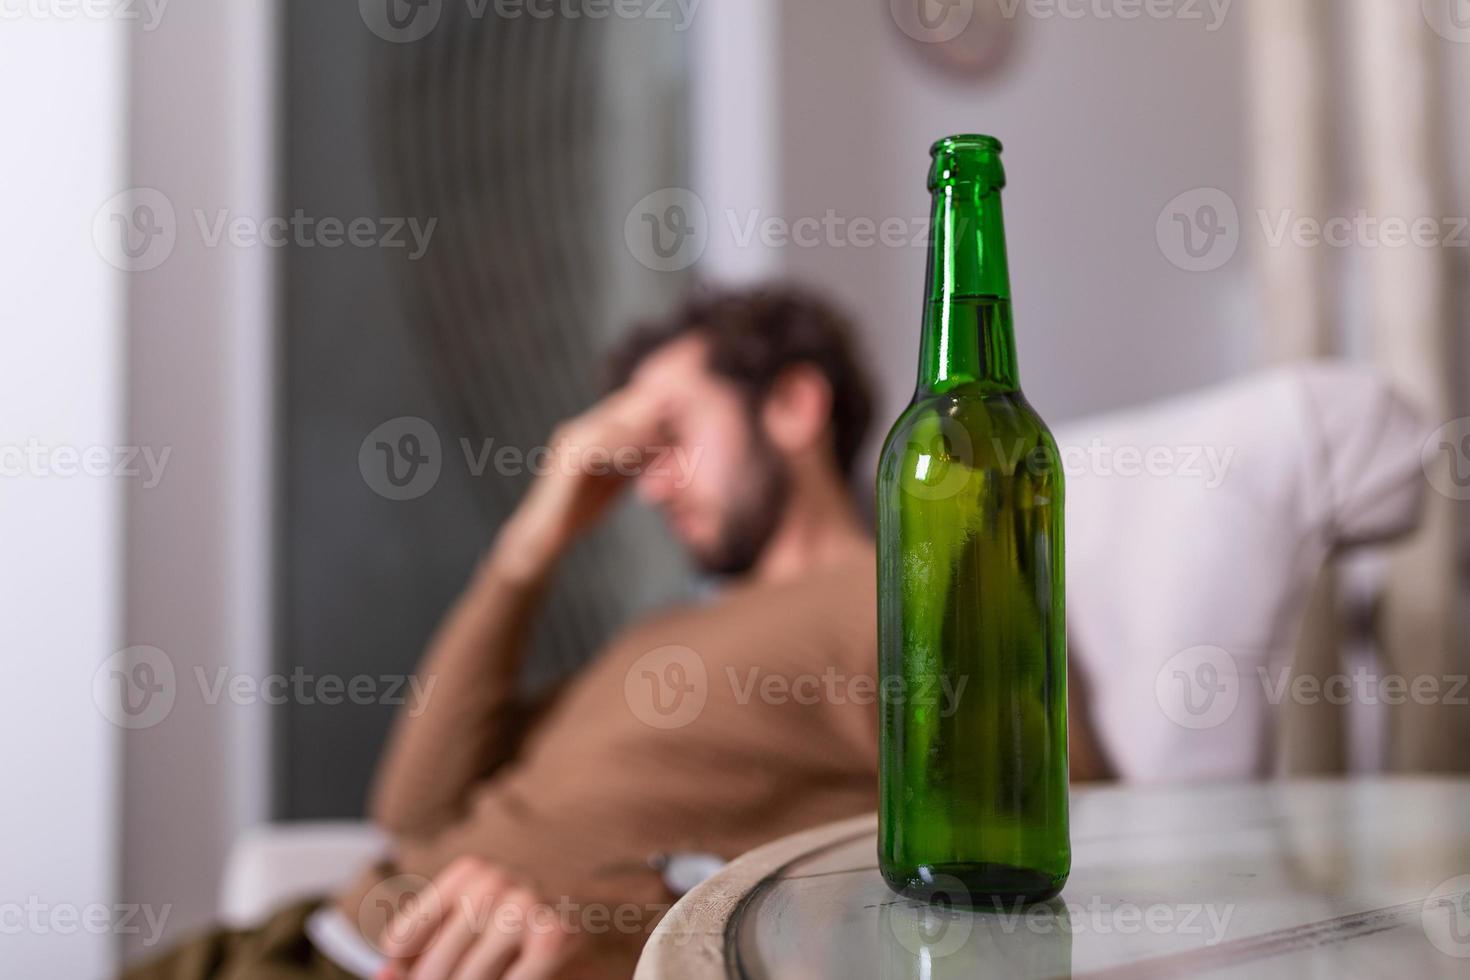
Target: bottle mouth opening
[
  {"x": 966, "y": 141},
  {"x": 967, "y": 159}
]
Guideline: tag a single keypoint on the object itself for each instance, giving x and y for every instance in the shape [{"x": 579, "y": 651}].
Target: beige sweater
[{"x": 710, "y": 729}]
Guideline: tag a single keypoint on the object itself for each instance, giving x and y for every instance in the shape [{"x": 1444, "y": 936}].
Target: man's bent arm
[
  {"x": 471, "y": 719},
  {"x": 468, "y": 716}
]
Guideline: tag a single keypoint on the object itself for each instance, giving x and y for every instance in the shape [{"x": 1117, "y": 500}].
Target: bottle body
[{"x": 972, "y": 609}]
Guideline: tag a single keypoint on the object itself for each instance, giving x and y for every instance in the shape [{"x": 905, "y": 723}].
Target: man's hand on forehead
[
  {"x": 636, "y": 416},
  {"x": 596, "y": 455}
]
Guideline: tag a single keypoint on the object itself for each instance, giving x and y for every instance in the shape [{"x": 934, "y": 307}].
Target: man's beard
[{"x": 754, "y": 512}]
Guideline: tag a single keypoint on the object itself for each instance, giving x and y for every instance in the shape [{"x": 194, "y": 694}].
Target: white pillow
[{"x": 1196, "y": 530}]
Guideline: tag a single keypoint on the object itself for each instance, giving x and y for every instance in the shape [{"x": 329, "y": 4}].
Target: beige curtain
[
  {"x": 1290, "y": 114},
  {"x": 1390, "y": 104},
  {"x": 1408, "y": 296}
]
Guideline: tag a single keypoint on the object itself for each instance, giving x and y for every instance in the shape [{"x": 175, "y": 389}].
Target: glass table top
[{"x": 1291, "y": 880}]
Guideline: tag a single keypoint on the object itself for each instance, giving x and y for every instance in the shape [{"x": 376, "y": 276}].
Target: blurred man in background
[{"x": 556, "y": 833}]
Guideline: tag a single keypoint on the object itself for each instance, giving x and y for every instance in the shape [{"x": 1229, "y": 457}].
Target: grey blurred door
[{"x": 495, "y": 160}]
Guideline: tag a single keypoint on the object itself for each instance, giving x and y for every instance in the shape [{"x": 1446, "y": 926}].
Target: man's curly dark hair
[{"x": 753, "y": 335}]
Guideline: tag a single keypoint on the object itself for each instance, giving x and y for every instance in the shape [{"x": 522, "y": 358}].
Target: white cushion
[
  {"x": 1189, "y": 572},
  {"x": 276, "y": 864}
]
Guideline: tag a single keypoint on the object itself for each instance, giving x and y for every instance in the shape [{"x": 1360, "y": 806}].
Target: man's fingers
[
  {"x": 497, "y": 947},
  {"x": 641, "y": 411},
  {"x": 473, "y": 923},
  {"x": 470, "y": 916},
  {"x": 628, "y": 418},
  {"x": 420, "y": 917},
  {"x": 542, "y": 953}
]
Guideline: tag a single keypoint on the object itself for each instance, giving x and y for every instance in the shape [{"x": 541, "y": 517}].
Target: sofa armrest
[{"x": 276, "y": 864}]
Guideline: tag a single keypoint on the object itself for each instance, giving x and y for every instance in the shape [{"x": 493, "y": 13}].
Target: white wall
[
  {"x": 61, "y": 335},
  {"x": 200, "y": 382},
  {"x": 734, "y": 52},
  {"x": 1104, "y": 121}
]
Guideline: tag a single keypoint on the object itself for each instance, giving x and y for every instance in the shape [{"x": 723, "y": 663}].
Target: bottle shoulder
[
  {"x": 984, "y": 429},
  {"x": 975, "y": 409}
]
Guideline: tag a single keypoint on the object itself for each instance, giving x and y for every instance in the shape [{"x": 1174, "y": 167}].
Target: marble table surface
[{"x": 1363, "y": 878}]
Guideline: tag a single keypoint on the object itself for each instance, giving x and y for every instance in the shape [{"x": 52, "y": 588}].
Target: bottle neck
[{"x": 968, "y": 337}]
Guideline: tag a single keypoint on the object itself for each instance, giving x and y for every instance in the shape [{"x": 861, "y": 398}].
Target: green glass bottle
[{"x": 972, "y": 605}]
